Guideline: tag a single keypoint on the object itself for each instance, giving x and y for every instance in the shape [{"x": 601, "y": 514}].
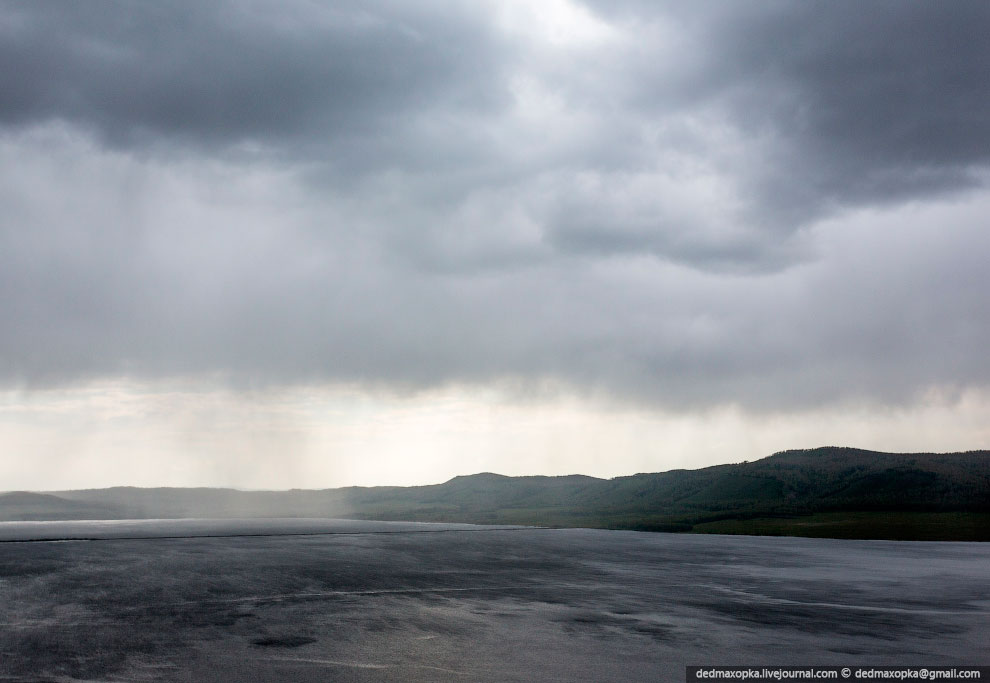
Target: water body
[{"x": 318, "y": 600}]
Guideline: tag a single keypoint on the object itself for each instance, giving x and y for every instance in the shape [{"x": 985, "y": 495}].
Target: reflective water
[{"x": 195, "y": 600}]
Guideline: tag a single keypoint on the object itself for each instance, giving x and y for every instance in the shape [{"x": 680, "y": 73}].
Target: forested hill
[
  {"x": 814, "y": 488},
  {"x": 819, "y": 492}
]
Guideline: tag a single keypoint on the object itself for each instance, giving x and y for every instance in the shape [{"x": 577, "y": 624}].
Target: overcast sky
[{"x": 272, "y": 244}]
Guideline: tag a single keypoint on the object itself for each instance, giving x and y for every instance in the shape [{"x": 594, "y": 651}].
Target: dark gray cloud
[
  {"x": 839, "y": 103},
  {"x": 859, "y": 103},
  {"x": 310, "y": 77},
  {"x": 778, "y": 205}
]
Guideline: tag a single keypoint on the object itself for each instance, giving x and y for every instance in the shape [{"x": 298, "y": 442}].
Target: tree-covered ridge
[{"x": 820, "y": 492}]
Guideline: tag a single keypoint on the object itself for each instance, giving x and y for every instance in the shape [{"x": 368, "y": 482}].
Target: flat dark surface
[{"x": 471, "y": 603}]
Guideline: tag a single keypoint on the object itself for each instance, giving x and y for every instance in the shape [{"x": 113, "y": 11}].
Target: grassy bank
[{"x": 901, "y": 526}]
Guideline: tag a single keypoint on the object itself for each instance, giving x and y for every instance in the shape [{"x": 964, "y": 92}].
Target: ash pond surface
[{"x": 318, "y": 600}]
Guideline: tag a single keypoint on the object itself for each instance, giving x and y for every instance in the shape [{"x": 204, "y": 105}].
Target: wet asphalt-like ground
[{"x": 224, "y": 601}]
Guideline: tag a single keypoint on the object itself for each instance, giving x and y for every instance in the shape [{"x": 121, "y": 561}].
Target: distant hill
[
  {"x": 175, "y": 503},
  {"x": 789, "y": 485},
  {"x": 831, "y": 491},
  {"x": 29, "y": 507}
]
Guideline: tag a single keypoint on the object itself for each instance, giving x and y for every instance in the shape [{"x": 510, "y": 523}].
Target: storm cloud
[{"x": 684, "y": 204}]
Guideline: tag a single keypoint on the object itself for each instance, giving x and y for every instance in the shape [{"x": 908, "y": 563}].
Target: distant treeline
[{"x": 837, "y": 492}]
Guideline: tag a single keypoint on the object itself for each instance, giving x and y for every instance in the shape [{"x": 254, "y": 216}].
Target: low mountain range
[{"x": 824, "y": 492}]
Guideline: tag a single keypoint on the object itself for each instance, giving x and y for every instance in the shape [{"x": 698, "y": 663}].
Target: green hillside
[
  {"x": 836, "y": 492},
  {"x": 789, "y": 485}
]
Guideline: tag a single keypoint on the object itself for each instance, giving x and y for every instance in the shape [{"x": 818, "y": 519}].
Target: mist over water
[{"x": 358, "y": 601}]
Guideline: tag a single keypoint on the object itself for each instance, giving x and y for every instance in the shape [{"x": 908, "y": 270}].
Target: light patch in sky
[
  {"x": 557, "y": 23},
  {"x": 123, "y": 433}
]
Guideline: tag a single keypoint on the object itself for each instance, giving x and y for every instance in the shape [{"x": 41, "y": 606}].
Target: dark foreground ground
[{"x": 468, "y": 603}]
